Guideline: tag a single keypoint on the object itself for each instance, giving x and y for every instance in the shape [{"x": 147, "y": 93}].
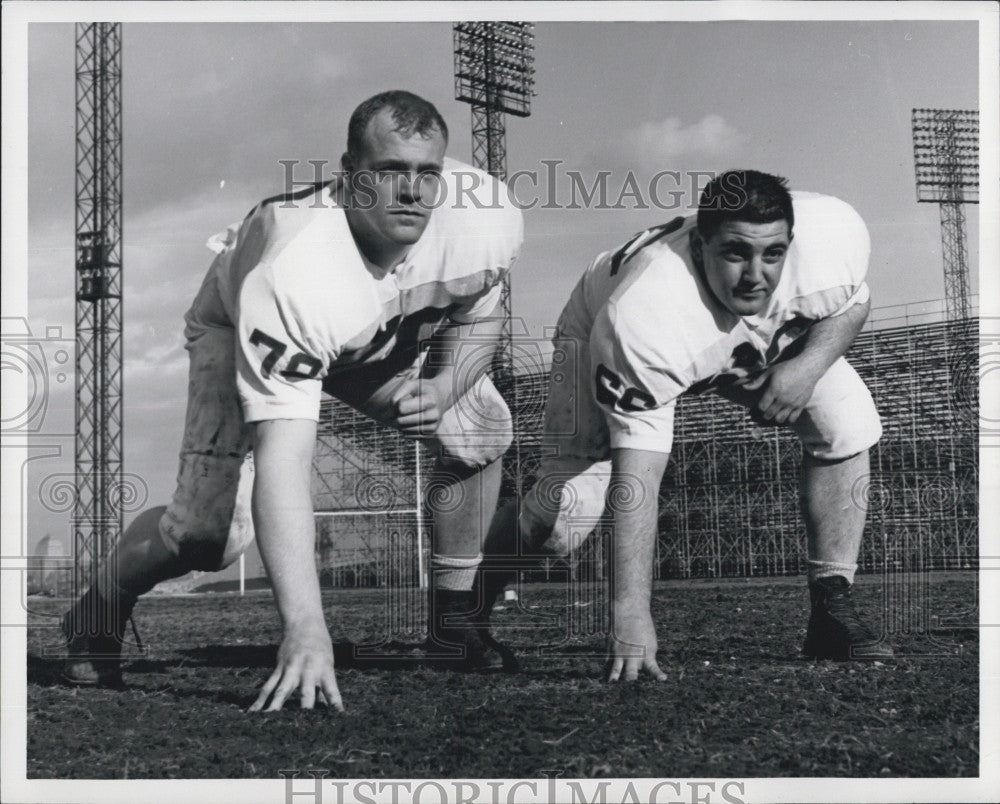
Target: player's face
[
  {"x": 743, "y": 263},
  {"x": 395, "y": 182}
]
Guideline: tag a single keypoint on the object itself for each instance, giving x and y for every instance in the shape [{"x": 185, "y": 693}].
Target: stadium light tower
[
  {"x": 946, "y": 157},
  {"x": 98, "y": 511},
  {"x": 494, "y": 74}
]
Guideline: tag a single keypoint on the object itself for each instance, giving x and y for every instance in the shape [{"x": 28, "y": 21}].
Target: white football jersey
[
  {"x": 656, "y": 330},
  {"x": 305, "y": 304}
]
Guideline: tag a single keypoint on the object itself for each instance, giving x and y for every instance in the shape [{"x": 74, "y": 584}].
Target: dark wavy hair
[
  {"x": 744, "y": 195},
  {"x": 411, "y": 113}
]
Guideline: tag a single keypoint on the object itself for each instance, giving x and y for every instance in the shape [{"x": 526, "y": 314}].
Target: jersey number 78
[{"x": 276, "y": 349}]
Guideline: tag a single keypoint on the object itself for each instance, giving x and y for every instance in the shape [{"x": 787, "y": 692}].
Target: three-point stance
[
  {"x": 724, "y": 301},
  {"x": 343, "y": 289}
]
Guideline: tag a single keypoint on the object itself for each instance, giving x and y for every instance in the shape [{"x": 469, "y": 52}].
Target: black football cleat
[
  {"x": 835, "y": 629},
  {"x": 95, "y": 632},
  {"x": 454, "y": 638},
  {"x": 508, "y": 659},
  {"x": 488, "y": 587}
]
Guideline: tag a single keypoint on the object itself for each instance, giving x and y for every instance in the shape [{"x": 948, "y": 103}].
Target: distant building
[{"x": 49, "y": 569}]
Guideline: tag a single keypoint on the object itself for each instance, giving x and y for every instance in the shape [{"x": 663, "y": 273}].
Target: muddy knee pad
[
  {"x": 196, "y": 545},
  {"x": 536, "y": 519},
  {"x": 476, "y": 431},
  {"x": 206, "y": 532},
  {"x": 564, "y": 506}
]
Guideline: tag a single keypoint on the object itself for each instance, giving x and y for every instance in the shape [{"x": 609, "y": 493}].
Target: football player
[
  {"x": 345, "y": 289},
  {"x": 756, "y": 297}
]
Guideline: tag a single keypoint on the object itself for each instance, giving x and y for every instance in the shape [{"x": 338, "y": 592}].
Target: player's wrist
[
  {"x": 630, "y": 605},
  {"x": 301, "y": 609},
  {"x": 809, "y": 366},
  {"x": 309, "y": 624}
]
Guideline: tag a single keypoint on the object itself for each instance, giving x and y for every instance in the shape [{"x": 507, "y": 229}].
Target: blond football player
[{"x": 341, "y": 289}]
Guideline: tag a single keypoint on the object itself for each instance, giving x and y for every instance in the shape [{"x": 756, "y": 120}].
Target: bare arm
[
  {"x": 788, "y": 385},
  {"x": 286, "y": 535},
  {"x": 460, "y": 355},
  {"x": 633, "y": 502},
  {"x": 467, "y": 350},
  {"x": 829, "y": 339}
]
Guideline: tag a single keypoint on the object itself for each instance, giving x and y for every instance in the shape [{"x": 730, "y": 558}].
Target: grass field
[{"x": 738, "y": 701}]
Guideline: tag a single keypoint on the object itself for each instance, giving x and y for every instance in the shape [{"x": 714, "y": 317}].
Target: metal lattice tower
[
  {"x": 98, "y": 514},
  {"x": 946, "y": 157},
  {"x": 494, "y": 74},
  {"x": 946, "y": 160}
]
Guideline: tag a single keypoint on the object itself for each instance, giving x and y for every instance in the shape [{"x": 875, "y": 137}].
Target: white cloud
[{"x": 660, "y": 144}]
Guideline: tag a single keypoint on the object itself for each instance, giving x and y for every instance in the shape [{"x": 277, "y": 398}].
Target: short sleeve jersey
[
  {"x": 305, "y": 304},
  {"x": 656, "y": 331}
]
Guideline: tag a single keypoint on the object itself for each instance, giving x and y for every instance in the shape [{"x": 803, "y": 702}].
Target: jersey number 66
[{"x": 612, "y": 391}]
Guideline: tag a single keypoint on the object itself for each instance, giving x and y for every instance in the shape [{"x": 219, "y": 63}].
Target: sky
[{"x": 211, "y": 110}]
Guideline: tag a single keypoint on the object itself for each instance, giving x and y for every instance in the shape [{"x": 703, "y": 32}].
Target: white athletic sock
[
  {"x": 825, "y": 569},
  {"x": 456, "y": 574}
]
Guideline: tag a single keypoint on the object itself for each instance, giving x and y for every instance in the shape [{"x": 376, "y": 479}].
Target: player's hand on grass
[
  {"x": 632, "y": 646},
  {"x": 418, "y": 411},
  {"x": 305, "y": 663},
  {"x": 787, "y": 388}
]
